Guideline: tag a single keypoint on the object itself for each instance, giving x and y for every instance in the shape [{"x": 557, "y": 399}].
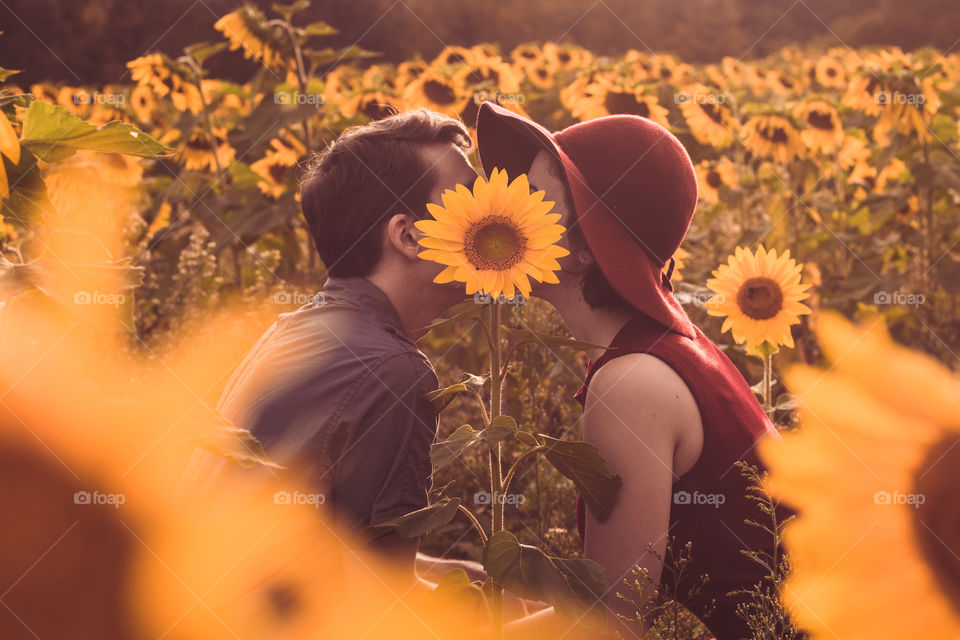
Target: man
[{"x": 335, "y": 390}]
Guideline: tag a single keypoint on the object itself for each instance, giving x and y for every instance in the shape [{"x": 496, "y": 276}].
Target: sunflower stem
[
  {"x": 496, "y": 471},
  {"x": 768, "y": 383}
]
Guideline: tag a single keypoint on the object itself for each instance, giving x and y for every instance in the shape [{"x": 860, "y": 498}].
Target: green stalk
[
  {"x": 494, "y": 458},
  {"x": 768, "y": 384}
]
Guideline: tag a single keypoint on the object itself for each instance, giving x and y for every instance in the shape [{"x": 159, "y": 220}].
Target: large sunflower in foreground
[
  {"x": 761, "y": 296},
  {"x": 495, "y": 237},
  {"x": 873, "y": 473}
]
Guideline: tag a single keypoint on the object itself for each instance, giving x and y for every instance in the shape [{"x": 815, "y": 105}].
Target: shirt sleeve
[{"x": 384, "y": 468}]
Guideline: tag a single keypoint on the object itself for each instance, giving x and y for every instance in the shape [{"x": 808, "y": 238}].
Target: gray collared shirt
[{"x": 336, "y": 391}]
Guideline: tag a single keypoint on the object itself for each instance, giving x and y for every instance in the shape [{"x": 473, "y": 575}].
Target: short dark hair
[{"x": 369, "y": 173}]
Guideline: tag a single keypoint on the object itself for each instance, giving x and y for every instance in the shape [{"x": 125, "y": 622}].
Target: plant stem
[
  {"x": 496, "y": 472},
  {"x": 476, "y": 523},
  {"x": 768, "y": 384}
]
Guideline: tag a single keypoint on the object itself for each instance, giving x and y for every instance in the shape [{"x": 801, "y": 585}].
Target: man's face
[{"x": 450, "y": 167}]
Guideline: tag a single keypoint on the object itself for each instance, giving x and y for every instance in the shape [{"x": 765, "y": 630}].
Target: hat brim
[{"x": 509, "y": 141}]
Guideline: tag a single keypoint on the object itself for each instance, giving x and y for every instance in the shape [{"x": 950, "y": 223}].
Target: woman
[{"x": 666, "y": 408}]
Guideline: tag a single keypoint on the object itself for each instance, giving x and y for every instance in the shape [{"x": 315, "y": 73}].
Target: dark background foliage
[{"x": 88, "y": 41}]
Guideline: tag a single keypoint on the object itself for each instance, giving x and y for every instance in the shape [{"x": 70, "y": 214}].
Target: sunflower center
[
  {"x": 774, "y": 134},
  {"x": 760, "y": 298},
  {"x": 494, "y": 243},
  {"x": 936, "y": 523},
  {"x": 712, "y": 111},
  {"x": 622, "y": 102},
  {"x": 438, "y": 92},
  {"x": 820, "y": 120},
  {"x": 714, "y": 179}
]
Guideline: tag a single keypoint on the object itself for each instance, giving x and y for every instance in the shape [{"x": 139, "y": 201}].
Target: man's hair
[{"x": 370, "y": 173}]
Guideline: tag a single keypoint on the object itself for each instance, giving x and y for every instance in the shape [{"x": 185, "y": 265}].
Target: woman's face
[{"x": 545, "y": 174}]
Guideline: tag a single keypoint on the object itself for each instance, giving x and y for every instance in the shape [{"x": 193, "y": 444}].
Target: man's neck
[{"x": 416, "y": 305}]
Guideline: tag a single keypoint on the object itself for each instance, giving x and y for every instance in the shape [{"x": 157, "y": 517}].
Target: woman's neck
[{"x": 587, "y": 324}]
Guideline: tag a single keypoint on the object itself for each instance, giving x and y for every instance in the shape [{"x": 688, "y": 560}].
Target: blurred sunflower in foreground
[
  {"x": 761, "y": 296},
  {"x": 494, "y": 238},
  {"x": 873, "y": 472}
]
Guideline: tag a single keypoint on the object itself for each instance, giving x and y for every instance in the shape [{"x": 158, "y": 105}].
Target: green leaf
[
  {"x": 319, "y": 29},
  {"x": 446, "y": 452},
  {"x": 204, "y": 50},
  {"x": 523, "y": 336},
  {"x": 27, "y": 197},
  {"x": 416, "y": 523},
  {"x": 55, "y": 134},
  {"x": 287, "y": 10},
  {"x": 6, "y": 73},
  {"x": 526, "y": 438},
  {"x": 582, "y": 463},
  {"x": 442, "y": 397},
  {"x": 500, "y": 428},
  {"x": 571, "y": 586},
  {"x": 238, "y": 446},
  {"x": 462, "y": 314}
]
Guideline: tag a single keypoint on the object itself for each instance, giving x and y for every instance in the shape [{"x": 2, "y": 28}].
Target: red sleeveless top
[{"x": 733, "y": 421}]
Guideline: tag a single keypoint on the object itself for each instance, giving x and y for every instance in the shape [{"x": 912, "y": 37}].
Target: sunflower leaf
[
  {"x": 442, "y": 397},
  {"x": 524, "y": 336},
  {"x": 54, "y": 134},
  {"x": 416, "y": 523},
  {"x": 572, "y": 586},
  {"x": 582, "y": 463},
  {"x": 446, "y": 452}
]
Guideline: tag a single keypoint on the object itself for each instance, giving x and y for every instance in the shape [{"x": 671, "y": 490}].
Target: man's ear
[{"x": 403, "y": 235}]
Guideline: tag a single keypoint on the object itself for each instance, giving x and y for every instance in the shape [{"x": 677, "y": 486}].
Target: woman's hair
[{"x": 596, "y": 289}]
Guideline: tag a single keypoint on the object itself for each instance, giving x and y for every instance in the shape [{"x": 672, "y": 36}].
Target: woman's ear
[{"x": 403, "y": 236}]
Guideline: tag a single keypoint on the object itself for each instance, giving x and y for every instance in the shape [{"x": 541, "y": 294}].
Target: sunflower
[
  {"x": 761, "y": 296},
  {"x": 873, "y": 473},
  {"x": 863, "y": 92},
  {"x": 783, "y": 83},
  {"x": 379, "y": 77},
  {"x": 824, "y": 131},
  {"x": 454, "y": 55},
  {"x": 272, "y": 171},
  {"x": 774, "y": 137},
  {"x": 492, "y": 73},
  {"x": 566, "y": 57},
  {"x": 373, "y": 105},
  {"x": 605, "y": 98},
  {"x": 142, "y": 102},
  {"x": 902, "y": 113},
  {"x": 409, "y": 71},
  {"x": 541, "y": 74},
  {"x": 710, "y": 120},
  {"x": 244, "y": 31},
  {"x": 9, "y": 149},
  {"x": 494, "y": 237},
  {"x": 197, "y": 152},
  {"x": 436, "y": 91},
  {"x": 829, "y": 73},
  {"x": 525, "y": 55},
  {"x": 714, "y": 175},
  {"x": 679, "y": 262},
  {"x": 853, "y": 152}
]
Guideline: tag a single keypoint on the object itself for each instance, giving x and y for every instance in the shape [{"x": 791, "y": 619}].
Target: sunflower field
[{"x": 175, "y": 195}]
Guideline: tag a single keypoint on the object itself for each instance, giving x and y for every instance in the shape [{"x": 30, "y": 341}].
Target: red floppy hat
[{"x": 634, "y": 191}]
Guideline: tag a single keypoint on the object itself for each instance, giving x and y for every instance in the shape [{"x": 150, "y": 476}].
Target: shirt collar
[{"x": 365, "y": 294}]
